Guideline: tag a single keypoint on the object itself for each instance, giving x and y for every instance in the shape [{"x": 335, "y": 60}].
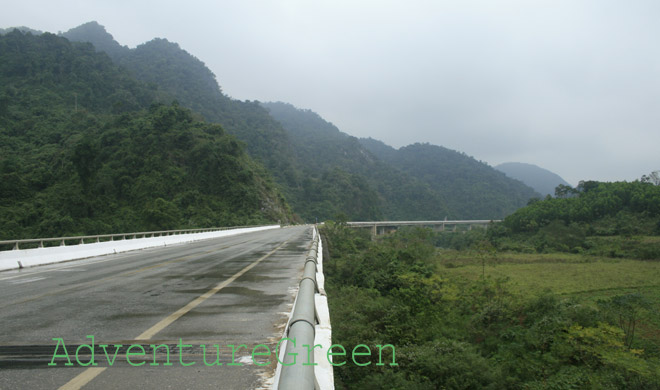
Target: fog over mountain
[{"x": 540, "y": 179}]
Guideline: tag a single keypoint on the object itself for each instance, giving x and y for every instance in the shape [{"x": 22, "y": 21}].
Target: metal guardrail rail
[
  {"x": 111, "y": 237},
  {"x": 302, "y": 328}
]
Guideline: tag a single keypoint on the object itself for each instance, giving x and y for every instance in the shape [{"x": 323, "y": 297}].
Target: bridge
[
  {"x": 190, "y": 309},
  {"x": 383, "y": 227},
  {"x": 172, "y": 309}
]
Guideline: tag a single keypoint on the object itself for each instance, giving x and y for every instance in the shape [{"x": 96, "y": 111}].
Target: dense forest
[
  {"x": 547, "y": 299},
  {"x": 86, "y": 148},
  {"x": 166, "y": 66}
]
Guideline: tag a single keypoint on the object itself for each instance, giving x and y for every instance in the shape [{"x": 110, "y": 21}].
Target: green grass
[
  {"x": 560, "y": 273},
  {"x": 585, "y": 278}
]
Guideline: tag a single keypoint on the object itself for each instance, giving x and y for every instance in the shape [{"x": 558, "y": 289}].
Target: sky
[{"x": 572, "y": 86}]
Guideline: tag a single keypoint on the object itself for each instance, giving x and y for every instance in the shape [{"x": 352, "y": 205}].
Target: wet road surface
[{"x": 160, "y": 316}]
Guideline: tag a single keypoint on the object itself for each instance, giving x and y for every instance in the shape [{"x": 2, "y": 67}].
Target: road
[{"x": 186, "y": 302}]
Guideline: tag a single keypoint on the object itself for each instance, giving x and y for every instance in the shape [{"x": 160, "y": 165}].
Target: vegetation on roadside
[{"x": 561, "y": 305}]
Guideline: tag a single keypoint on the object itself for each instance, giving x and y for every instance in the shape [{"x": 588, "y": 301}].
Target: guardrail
[
  {"x": 26, "y": 253},
  {"x": 15, "y": 244},
  {"x": 309, "y": 325}
]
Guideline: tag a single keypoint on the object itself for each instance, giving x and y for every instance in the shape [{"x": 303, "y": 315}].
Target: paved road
[{"x": 227, "y": 291}]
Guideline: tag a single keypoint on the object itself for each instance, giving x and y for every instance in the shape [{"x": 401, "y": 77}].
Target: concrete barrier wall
[
  {"x": 325, "y": 379},
  {"x": 40, "y": 256}
]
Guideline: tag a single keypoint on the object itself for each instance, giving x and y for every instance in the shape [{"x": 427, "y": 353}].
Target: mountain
[
  {"x": 321, "y": 171},
  {"x": 85, "y": 148},
  {"x": 541, "y": 180},
  {"x": 319, "y": 147},
  {"x": 471, "y": 189},
  {"x": 167, "y": 67},
  {"x": 419, "y": 181},
  {"x": 96, "y": 34},
  {"x": 313, "y": 194}
]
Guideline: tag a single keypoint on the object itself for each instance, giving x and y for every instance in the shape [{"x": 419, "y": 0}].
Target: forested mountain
[
  {"x": 414, "y": 182},
  {"x": 313, "y": 194},
  {"x": 97, "y": 35},
  {"x": 321, "y": 171},
  {"x": 471, "y": 188},
  {"x": 320, "y": 147},
  {"x": 166, "y": 66},
  {"x": 541, "y": 180},
  {"x": 85, "y": 148}
]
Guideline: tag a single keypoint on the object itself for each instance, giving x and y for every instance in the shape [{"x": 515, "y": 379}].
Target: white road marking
[
  {"x": 27, "y": 280},
  {"x": 60, "y": 268}
]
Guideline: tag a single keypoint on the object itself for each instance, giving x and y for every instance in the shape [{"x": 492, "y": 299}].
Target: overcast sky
[{"x": 572, "y": 86}]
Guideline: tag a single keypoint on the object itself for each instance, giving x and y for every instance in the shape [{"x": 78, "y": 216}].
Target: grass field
[
  {"x": 561, "y": 273},
  {"x": 585, "y": 278}
]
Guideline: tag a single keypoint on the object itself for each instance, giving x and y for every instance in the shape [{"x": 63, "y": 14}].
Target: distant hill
[
  {"x": 85, "y": 148},
  {"x": 541, "y": 180},
  {"x": 471, "y": 189},
  {"x": 22, "y": 29}
]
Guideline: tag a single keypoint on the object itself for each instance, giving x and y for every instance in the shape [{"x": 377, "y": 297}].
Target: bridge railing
[
  {"x": 309, "y": 325},
  {"x": 76, "y": 240}
]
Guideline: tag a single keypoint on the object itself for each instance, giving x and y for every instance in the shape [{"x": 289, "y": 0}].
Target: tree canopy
[{"x": 85, "y": 149}]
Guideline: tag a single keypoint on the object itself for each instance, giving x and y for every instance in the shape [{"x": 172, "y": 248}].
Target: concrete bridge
[
  {"x": 383, "y": 227},
  {"x": 147, "y": 296},
  {"x": 83, "y": 312}
]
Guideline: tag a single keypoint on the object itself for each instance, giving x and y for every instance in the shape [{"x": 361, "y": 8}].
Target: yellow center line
[
  {"x": 82, "y": 379},
  {"x": 89, "y": 374}
]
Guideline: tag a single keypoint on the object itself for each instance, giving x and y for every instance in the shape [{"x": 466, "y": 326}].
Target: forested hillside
[
  {"x": 472, "y": 189},
  {"x": 608, "y": 219},
  {"x": 320, "y": 147},
  {"x": 321, "y": 170},
  {"x": 85, "y": 148},
  {"x": 166, "y": 66}
]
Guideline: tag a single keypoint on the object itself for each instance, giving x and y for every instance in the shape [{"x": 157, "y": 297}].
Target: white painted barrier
[
  {"x": 40, "y": 256},
  {"x": 323, "y": 372}
]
